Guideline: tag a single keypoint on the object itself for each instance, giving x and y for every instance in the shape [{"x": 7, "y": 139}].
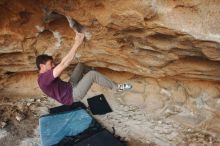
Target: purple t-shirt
[{"x": 55, "y": 87}]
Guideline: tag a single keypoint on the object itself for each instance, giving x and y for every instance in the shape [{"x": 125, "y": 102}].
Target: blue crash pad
[{"x": 54, "y": 127}]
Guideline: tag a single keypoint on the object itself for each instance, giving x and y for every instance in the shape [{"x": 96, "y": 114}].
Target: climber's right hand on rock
[{"x": 79, "y": 38}]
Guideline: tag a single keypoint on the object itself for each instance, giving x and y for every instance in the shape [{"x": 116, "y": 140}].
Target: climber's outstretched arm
[{"x": 70, "y": 55}]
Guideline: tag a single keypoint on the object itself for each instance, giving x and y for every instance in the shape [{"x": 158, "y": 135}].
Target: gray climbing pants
[{"x": 82, "y": 79}]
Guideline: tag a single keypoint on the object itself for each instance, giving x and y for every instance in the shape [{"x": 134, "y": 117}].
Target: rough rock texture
[
  {"x": 173, "y": 45},
  {"x": 151, "y": 38}
]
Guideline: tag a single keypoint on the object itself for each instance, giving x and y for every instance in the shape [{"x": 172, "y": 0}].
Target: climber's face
[{"x": 47, "y": 66}]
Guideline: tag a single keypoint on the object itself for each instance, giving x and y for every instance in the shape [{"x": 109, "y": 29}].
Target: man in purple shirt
[{"x": 80, "y": 81}]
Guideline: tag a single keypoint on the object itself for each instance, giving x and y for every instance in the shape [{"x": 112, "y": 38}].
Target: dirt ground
[{"x": 17, "y": 129}]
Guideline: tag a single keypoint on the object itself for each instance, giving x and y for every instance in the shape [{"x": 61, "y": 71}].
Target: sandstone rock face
[
  {"x": 173, "y": 45},
  {"x": 150, "y": 38}
]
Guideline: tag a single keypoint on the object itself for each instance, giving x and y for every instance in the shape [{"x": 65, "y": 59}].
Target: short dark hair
[{"x": 42, "y": 59}]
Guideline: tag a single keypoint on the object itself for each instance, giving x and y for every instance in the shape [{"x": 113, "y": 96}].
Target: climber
[{"x": 80, "y": 81}]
